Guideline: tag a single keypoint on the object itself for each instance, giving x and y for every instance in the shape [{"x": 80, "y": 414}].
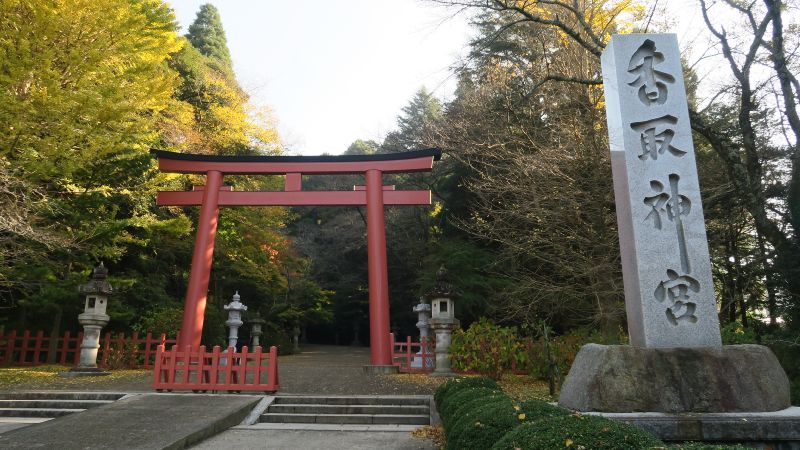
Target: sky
[{"x": 336, "y": 71}]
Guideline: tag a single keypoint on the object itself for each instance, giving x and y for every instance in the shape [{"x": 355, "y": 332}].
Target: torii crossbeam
[{"x": 374, "y": 195}]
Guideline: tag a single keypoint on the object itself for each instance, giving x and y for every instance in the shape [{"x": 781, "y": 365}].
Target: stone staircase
[
  {"x": 47, "y": 405},
  {"x": 404, "y": 411}
]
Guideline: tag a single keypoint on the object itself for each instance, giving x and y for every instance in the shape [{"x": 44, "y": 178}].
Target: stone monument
[
  {"x": 443, "y": 321},
  {"x": 235, "y": 309},
  {"x": 97, "y": 291},
  {"x": 676, "y": 361}
]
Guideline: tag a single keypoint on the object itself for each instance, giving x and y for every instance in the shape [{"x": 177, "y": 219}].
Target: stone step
[
  {"x": 353, "y": 400},
  {"x": 60, "y": 395},
  {"x": 361, "y": 419},
  {"x": 307, "y": 408},
  {"x": 53, "y": 403},
  {"x": 38, "y": 412}
]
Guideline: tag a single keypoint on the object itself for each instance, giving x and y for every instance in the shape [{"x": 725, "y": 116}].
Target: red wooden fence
[
  {"x": 404, "y": 354},
  {"x": 199, "y": 370},
  {"x": 129, "y": 352}
]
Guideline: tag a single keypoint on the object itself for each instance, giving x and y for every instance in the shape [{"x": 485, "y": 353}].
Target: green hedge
[
  {"x": 477, "y": 414},
  {"x": 453, "y": 402},
  {"x": 480, "y": 428},
  {"x": 703, "y": 446},
  {"x": 574, "y": 431},
  {"x": 455, "y": 384}
]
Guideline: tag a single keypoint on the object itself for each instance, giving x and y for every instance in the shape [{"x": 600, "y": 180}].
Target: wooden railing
[
  {"x": 413, "y": 357},
  {"x": 28, "y": 349},
  {"x": 199, "y": 370}
]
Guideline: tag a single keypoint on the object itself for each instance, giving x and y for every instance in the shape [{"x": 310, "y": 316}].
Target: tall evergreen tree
[{"x": 207, "y": 35}]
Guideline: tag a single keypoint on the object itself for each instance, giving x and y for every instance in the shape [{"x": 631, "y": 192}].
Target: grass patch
[{"x": 43, "y": 377}]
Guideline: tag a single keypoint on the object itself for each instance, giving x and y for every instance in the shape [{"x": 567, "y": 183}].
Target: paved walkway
[
  {"x": 144, "y": 421},
  {"x": 314, "y": 440},
  {"x": 332, "y": 370}
]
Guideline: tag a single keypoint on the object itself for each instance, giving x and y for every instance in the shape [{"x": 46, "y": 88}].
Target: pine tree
[{"x": 207, "y": 35}]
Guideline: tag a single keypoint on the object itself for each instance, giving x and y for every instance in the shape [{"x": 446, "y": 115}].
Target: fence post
[
  {"x": 408, "y": 353},
  {"x": 23, "y": 353},
  {"x": 37, "y": 346},
  {"x": 106, "y": 348},
  {"x": 136, "y": 341},
  {"x": 147, "y": 341},
  {"x": 157, "y": 367},
  {"x": 257, "y": 356},
  {"x": 273, "y": 381},
  {"x": 214, "y": 365},
  {"x": 229, "y": 365},
  {"x": 64, "y": 348},
  {"x": 11, "y": 342}
]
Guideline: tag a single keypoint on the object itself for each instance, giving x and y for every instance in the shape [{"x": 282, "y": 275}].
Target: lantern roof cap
[
  {"x": 235, "y": 304},
  {"x": 257, "y": 319},
  {"x": 443, "y": 288},
  {"x": 98, "y": 282}
]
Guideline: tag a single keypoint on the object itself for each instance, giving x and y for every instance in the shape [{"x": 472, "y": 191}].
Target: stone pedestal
[
  {"x": 622, "y": 378},
  {"x": 87, "y": 365},
  {"x": 443, "y": 328}
]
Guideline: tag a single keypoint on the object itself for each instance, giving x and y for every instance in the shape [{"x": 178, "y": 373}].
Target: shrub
[
  {"x": 563, "y": 349},
  {"x": 482, "y": 427},
  {"x": 478, "y": 401},
  {"x": 486, "y": 348},
  {"x": 452, "y": 402},
  {"x": 734, "y": 333},
  {"x": 575, "y": 431},
  {"x": 704, "y": 446},
  {"x": 122, "y": 355},
  {"x": 455, "y": 384},
  {"x": 538, "y": 410}
]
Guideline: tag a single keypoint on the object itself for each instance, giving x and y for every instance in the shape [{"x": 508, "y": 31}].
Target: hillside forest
[{"x": 523, "y": 213}]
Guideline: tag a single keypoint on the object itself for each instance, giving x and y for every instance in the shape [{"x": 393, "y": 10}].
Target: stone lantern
[
  {"x": 235, "y": 309},
  {"x": 443, "y": 320},
  {"x": 255, "y": 328},
  {"x": 296, "y": 337},
  {"x": 97, "y": 291},
  {"x": 423, "y": 311}
]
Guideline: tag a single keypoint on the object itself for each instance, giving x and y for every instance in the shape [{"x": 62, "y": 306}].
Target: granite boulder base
[{"x": 622, "y": 378}]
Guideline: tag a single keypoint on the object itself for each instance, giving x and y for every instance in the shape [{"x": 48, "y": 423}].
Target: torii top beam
[{"x": 415, "y": 161}]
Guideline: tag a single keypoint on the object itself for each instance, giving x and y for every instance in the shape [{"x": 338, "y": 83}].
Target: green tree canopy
[{"x": 208, "y": 37}]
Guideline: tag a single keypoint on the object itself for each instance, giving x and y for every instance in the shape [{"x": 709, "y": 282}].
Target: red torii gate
[{"x": 374, "y": 195}]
